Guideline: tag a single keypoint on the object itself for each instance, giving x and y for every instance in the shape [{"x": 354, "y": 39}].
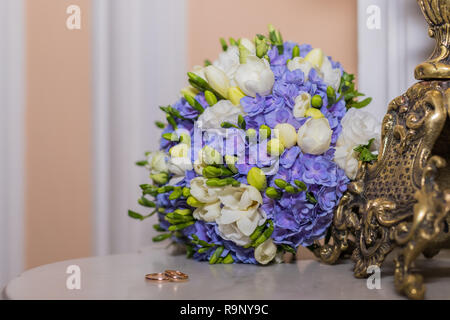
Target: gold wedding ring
[
  {"x": 159, "y": 276},
  {"x": 176, "y": 275},
  {"x": 168, "y": 275}
]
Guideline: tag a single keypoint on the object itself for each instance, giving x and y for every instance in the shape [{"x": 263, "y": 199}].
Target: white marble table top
[{"x": 122, "y": 277}]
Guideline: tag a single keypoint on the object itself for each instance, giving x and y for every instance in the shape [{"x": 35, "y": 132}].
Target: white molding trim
[
  {"x": 139, "y": 63},
  {"x": 12, "y": 110},
  {"x": 387, "y": 56}
]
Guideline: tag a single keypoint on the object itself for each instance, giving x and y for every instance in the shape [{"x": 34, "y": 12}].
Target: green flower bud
[
  {"x": 289, "y": 189},
  {"x": 210, "y": 98},
  {"x": 171, "y": 121},
  {"x": 230, "y": 162},
  {"x": 143, "y": 201},
  {"x": 228, "y": 259},
  {"x": 243, "y": 54},
  {"x": 264, "y": 132},
  {"x": 316, "y": 101},
  {"x": 193, "y": 202},
  {"x": 331, "y": 93},
  {"x": 159, "y": 124},
  {"x": 261, "y": 46},
  {"x": 189, "y": 91},
  {"x": 251, "y": 134},
  {"x": 183, "y": 212},
  {"x": 185, "y": 139},
  {"x": 275, "y": 147},
  {"x": 170, "y": 136},
  {"x": 181, "y": 226},
  {"x": 295, "y": 52},
  {"x": 266, "y": 235},
  {"x": 186, "y": 192},
  {"x": 161, "y": 237},
  {"x": 280, "y": 183},
  {"x": 216, "y": 255},
  {"x": 160, "y": 178},
  {"x": 257, "y": 178},
  {"x": 300, "y": 184},
  {"x": 197, "y": 81},
  {"x": 211, "y": 172},
  {"x": 194, "y": 103},
  {"x": 175, "y": 194},
  {"x": 272, "y": 193}
]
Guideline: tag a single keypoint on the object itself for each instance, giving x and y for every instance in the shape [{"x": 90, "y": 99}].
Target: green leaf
[
  {"x": 207, "y": 63},
  {"x": 227, "y": 125},
  {"x": 241, "y": 122},
  {"x": 362, "y": 104},
  {"x": 161, "y": 237},
  {"x": 365, "y": 155},
  {"x": 158, "y": 228},
  {"x": 135, "y": 215},
  {"x": 310, "y": 197},
  {"x": 143, "y": 201},
  {"x": 141, "y": 163},
  {"x": 223, "y": 43},
  {"x": 289, "y": 249},
  {"x": 160, "y": 124},
  {"x": 216, "y": 255}
]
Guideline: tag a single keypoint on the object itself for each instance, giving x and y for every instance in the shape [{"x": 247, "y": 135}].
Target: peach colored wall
[
  {"x": 327, "y": 24},
  {"x": 58, "y": 121}
]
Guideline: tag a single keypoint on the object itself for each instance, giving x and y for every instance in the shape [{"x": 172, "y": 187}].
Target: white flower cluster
[
  {"x": 237, "y": 212},
  {"x": 358, "y": 127}
]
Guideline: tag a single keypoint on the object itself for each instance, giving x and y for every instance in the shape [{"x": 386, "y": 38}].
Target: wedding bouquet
[{"x": 257, "y": 152}]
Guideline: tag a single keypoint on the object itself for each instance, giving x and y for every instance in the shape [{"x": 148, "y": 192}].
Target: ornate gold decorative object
[{"x": 403, "y": 199}]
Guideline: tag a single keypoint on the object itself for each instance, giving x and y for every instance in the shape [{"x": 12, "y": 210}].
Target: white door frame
[
  {"x": 388, "y": 55},
  {"x": 139, "y": 63},
  {"x": 12, "y": 116}
]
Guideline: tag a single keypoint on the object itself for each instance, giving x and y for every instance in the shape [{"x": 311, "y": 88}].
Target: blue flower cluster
[{"x": 299, "y": 218}]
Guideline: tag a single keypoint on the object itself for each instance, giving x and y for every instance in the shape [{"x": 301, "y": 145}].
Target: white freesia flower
[
  {"x": 222, "y": 111},
  {"x": 228, "y": 62},
  {"x": 255, "y": 76},
  {"x": 331, "y": 77},
  {"x": 300, "y": 63},
  {"x": 358, "y": 127},
  {"x": 249, "y": 45},
  {"x": 218, "y": 80},
  {"x": 240, "y": 214},
  {"x": 204, "y": 193},
  {"x": 266, "y": 252},
  {"x": 287, "y": 134},
  {"x": 209, "y": 212},
  {"x": 302, "y": 103},
  {"x": 199, "y": 71},
  {"x": 346, "y": 158},
  {"x": 179, "y": 166},
  {"x": 236, "y": 210},
  {"x": 157, "y": 162},
  {"x": 180, "y": 160},
  {"x": 314, "y": 136}
]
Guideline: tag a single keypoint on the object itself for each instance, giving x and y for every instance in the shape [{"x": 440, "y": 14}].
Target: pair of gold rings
[{"x": 166, "y": 276}]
